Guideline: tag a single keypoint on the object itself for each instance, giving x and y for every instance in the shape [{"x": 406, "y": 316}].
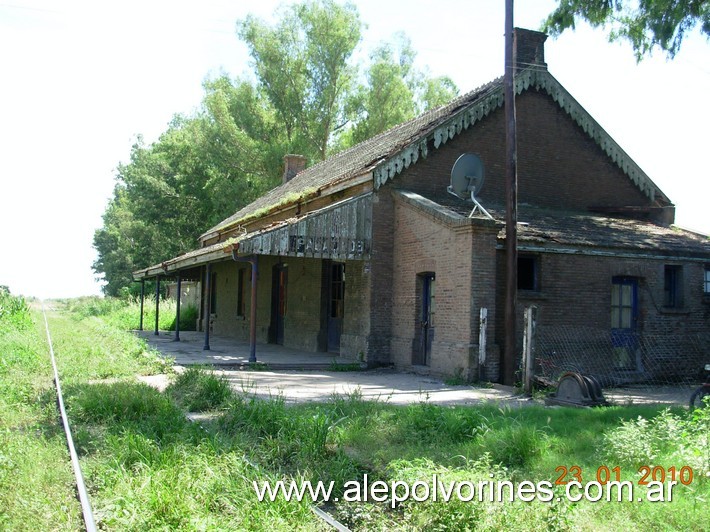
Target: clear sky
[{"x": 79, "y": 79}]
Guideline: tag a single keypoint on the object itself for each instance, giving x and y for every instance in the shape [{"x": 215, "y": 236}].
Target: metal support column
[
  {"x": 482, "y": 326},
  {"x": 157, "y": 302},
  {"x": 252, "y": 311},
  {"x": 252, "y": 325},
  {"x": 207, "y": 305},
  {"x": 177, "y": 308},
  {"x": 140, "y": 324}
]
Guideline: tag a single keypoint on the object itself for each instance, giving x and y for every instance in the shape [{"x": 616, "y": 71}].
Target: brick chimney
[
  {"x": 293, "y": 164},
  {"x": 529, "y": 49}
]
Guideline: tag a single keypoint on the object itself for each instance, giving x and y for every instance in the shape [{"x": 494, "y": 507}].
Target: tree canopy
[
  {"x": 394, "y": 91},
  {"x": 306, "y": 96},
  {"x": 644, "y": 23}
]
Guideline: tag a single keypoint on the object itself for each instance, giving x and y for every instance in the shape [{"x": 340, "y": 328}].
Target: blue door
[{"x": 624, "y": 322}]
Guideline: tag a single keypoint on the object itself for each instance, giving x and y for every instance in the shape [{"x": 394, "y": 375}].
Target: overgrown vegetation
[
  {"x": 197, "y": 390},
  {"x": 306, "y": 95},
  {"x": 124, "y": 313},
  {"x": 148, "y": 468},
  {"x": 14, "y": 312},
  {"x": 35, "y": 474}
]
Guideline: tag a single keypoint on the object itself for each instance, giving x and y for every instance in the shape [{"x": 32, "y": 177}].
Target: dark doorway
[
  {"x": 424, "y": 335},
  {"x": 279, "y": 282},
  {"x": 336, "y": 305},
  {"x": 624, "y": 322}
]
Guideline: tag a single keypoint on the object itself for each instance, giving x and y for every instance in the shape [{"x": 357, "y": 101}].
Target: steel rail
[{"x": 89, "y": 521}]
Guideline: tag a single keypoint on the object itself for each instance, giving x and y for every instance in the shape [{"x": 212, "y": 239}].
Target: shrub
[
  {"x": 14, "y": 312},
  {"x": 188, "y": 319},
  {"x": 88, "y": 306},
  {"x": 666, "y": 437}
]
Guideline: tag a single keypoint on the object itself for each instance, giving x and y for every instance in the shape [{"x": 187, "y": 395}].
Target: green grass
[
  {"x": 346, "y": 437},
  {"x": 197, "y": 390},
  {"x": 124, "y": 313},
  {"x": 148, "y": 468},
  {"x": 151, "y": 469},
  {"x": 340, "y": 366},
  {"x": 32, "y": 497}
]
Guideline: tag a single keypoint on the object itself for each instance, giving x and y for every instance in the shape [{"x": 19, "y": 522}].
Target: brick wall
[
  {"x": 304, "y": 323},
  {"x": 381, "y": 280},
  {"x": 354, "y": 340},
  {"x": 575, "y": 291},
  {"x": 464, "y": 266},
  {"x": 225, "y": 321},
  {"x": 483, "y": 295},
  {"x": 559, "y": 166}
]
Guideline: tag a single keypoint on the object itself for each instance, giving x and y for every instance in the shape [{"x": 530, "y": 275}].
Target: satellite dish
[{"x": 467, "y": 177}]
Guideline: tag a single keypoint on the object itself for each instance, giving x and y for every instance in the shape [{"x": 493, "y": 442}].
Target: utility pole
[{"x": 511, "y": 202}]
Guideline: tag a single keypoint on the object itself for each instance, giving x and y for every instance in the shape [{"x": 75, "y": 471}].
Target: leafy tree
[
  {"x": 437, "y": 92},
  {"x": 305, "y": 100},
  {"x": 201, "y": 170},
  {"x": 301, "y": 63},
  {"x": 395, "y": 92},
  {"x": 645, "y": 23}
]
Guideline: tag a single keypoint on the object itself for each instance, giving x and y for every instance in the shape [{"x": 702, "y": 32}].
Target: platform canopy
[{"x": 342, "y": 231}]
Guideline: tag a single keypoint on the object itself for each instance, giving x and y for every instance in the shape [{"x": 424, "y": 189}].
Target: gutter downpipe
[{"x": 252, "y": 311}]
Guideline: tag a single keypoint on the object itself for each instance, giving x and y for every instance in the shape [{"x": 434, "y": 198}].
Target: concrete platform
[
  {"x": 232, "y": 353},
  {"x": 302, "y": 376},
  {"x": 383, "y": 385}
]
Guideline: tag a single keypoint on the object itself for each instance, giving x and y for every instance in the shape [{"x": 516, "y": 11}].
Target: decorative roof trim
[
  {"x": 463, "y": 119},
  {"x": 494, "y": 99}
]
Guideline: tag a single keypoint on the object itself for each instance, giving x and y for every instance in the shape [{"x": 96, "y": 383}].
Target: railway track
[{"x": 86, "y": 509}]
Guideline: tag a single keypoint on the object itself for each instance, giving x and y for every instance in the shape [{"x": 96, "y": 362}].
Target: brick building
[{"x": 367, "y": 255}]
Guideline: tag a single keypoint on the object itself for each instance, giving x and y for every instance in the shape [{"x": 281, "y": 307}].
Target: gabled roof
[
  {"x": 387, "y": 154},
  {"x": 361, "y": 158}
]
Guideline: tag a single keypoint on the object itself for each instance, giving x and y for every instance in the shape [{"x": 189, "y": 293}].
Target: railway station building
[{"x": 369, "y": 255}]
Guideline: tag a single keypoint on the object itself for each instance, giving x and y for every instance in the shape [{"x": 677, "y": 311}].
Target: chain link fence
[{"x": 632, "y": 367}]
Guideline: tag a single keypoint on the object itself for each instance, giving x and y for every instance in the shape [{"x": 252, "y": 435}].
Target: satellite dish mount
[{"x": 467, "y": 177}]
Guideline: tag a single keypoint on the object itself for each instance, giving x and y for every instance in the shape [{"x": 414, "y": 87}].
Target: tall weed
[
  {"x": 666, "y": 438},
  {"x": 124, "y": 313},
  {"x": 197, "y": 390},
  {"x": 14, "y": 312}
]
